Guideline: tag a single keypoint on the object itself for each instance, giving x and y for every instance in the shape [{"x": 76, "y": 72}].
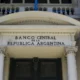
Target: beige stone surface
[{"x": 78, "y": 63}]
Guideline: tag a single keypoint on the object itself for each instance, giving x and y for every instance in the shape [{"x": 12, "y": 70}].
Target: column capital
[
  {"x": 2, "y": 50},
  {"x": 71, "y": 49}
]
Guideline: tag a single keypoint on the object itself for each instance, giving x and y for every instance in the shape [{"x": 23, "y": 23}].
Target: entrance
[{"x": 35, "y": 69}]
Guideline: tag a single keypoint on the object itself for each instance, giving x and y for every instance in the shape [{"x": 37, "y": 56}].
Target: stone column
[
  {"x": 71, "y": 62},
  {"x": 11, "y": 1},
  {"x": 23, "y": 1},
  {"x": 1, "y": 64}
]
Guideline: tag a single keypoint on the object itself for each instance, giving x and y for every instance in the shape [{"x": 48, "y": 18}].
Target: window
[
  {"x": 29, "y": 1},
  {"x": 63, "y": 11},
  {"x": 40, "y": 9},
  {"x": 8, "y": 10},
  {"x": 48, "y": 69},
  {"x": 59, "y": 10},
  {"x": 42, "y": 1},
  {"x": 0, "y": 9},
  {"x": 17, "y": 9},
  {"x": 32, "y": 1},
  {"x": 44, "y": 9},
  {"x": 12, "y": 10},
  {"x": 54, "y": 10},
  {"x": 72, "y": 11},
  {"x": 67, "y": 11},
  {"x": 66, "y": 1},
  {"x": 26, "y": 9},
  {"x": 3, "y": 11},
  {"x": 1, "y": 1},
  {"x": 4, "y": 1},
  {"x": 31, "y": 8},
  {"x": 17, "y": 1},
  {"x": 54, "y": 1}
]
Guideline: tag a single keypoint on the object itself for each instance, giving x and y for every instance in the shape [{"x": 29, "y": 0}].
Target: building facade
[
  {"x": 42, "y": 44},
  {"x": 66, "y": 7}
]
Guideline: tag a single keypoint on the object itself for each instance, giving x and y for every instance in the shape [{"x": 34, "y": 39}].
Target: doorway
[{"x": 35, "y": 69}]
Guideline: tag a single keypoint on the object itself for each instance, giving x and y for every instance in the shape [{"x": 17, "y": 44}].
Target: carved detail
[
  {"x": 2, "y": 50},
  {"x": 72, "y": 49}
]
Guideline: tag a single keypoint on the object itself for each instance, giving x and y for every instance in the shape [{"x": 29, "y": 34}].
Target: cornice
[{"x": 61, "y": 33}]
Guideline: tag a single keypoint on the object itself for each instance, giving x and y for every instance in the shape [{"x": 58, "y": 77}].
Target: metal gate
[{"x": 35, "y": 69}]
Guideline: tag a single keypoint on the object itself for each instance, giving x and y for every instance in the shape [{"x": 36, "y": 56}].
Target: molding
[{"x": 31, "y": 32}]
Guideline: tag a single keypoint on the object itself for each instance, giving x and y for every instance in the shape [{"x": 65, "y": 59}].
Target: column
[
  {"x": 1, "y": 64},
  {"x": 23, "y": 1},
  {"x": 11, "y": 1},
  {"x": 48, "y": 1},
  {"x": 71, "y": 62}
]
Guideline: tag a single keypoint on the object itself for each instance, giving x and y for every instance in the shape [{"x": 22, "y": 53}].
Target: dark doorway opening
[{"x": 35, "y": 69}]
